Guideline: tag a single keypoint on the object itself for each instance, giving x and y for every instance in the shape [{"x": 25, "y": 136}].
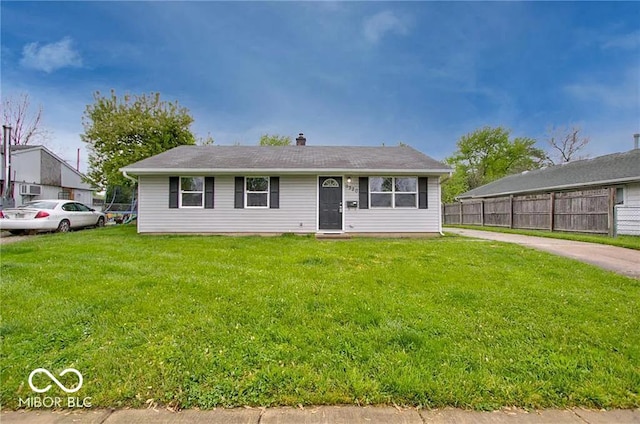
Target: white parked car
[{"x": 49, "y": 215}]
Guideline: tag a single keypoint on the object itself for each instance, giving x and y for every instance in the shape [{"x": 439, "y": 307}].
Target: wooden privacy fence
[{"x": 584, "y": 211}]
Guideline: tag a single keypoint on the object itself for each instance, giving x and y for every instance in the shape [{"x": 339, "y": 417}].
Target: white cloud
[
  {"x": 377, "y": 26},
  {"x": 621, "y": 93},
  {"x": 50, "y": 57},
  {"x": 625, "y": 42}
]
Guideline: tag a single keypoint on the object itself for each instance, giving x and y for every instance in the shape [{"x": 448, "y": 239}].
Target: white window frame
[
  {"x": 623, "y": 199},
  {"x": 246, "y": 193},
  {"x": 393, "y": 193},
  {"x": 181, "y": 192}
]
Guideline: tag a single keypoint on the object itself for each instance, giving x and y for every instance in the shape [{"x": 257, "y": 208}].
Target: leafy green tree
[
  {"x": 275, "y": 140},
  {"x": 486, "y": 155},
  {"x": 120, "y": 131},
  {"x": 454, "y": 185}
]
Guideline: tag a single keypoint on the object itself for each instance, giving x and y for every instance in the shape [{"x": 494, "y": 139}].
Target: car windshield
[{"x": 39, "y": 205}]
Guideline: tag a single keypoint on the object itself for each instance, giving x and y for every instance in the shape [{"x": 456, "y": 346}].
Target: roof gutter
[
  {"x": 193, "y": 171},
  {"x": 127, "y": 176},
  {"x": 554, "y": 188}
]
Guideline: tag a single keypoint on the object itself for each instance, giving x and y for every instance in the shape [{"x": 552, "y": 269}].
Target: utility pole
[{"x": 7, "y": 193}]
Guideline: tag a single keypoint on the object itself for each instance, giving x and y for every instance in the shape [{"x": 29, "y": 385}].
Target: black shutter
[
  {"x": 422, "y": 193},
  {"x": 364, "y": 192},
  {"x": 274, "y": 193},
  {"x": 174, "y": 192},
  {"x": 239, "y": 200},
  {"x": 208, "y": 192}
]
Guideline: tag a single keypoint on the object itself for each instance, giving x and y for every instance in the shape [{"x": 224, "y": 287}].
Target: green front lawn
[
  {"x": 630, "y": 242},
  {"x": 197, "y": 321}
]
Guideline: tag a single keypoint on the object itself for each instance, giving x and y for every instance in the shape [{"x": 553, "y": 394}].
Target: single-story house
[
  {"x": 289, "y": 189},
  {"x": 38, "y": 173},
  {"x": 618, "y": 173}
]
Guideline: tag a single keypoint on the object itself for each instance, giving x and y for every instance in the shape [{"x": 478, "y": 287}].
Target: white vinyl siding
[
  {"x": 632, "y": 195},
  {"x": 399, "y": 220},
  {"x": 628, "y": 214},
  {"x": 297, "y": 212},
  {"x": 27, "y": 169},
  {"x": 26, "y": 166}
]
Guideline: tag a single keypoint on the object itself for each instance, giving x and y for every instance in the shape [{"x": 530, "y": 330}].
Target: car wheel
[
  {"x": 100, "y": 222},
  {"x": 64, "y": 226},
  {"x": 16, "y": 232}
]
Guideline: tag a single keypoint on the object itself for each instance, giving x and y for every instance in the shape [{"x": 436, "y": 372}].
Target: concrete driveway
[
  {"x": 6, "y": 237},
  {"x": 323, "y": 415},
  {"x": 613, "y": 258}
]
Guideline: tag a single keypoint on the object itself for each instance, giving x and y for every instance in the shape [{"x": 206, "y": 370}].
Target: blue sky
[{"x": 344, "y": 73}]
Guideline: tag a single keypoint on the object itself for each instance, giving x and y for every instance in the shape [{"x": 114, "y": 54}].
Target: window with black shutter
[
  {"x": 174, "y": 192},
  {"x": 423, "y": 202},
  {"x": 209, "y": 192},
  {"x": 364, "y": 193}
]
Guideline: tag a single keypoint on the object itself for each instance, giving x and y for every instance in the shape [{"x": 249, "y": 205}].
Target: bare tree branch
[
  {"x": 26, "y": 125},
  {"x": 565, "y": 143}
]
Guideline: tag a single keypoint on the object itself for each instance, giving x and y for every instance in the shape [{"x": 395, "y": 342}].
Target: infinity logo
[{"x": 55, "y": 380}]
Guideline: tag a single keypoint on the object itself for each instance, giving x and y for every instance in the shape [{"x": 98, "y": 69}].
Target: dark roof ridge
[{"x": 290, "y": 157}]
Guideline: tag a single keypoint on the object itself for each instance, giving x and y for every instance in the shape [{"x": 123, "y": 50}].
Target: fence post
[
  {"x": 482, "y": 212},
  {"x": 611, "y": 211},
  {"x": 511, "y": 211},
  {"x": 552, "y": 206},
  {"x": 461, "y": 222}
]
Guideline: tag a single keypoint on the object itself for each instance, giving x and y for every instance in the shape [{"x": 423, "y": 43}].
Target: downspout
[
  {"x": 129, "y": 177},
  {"x": 6, "y": 163},
  {"x": 440, "y": 207},
  {"x": 135, "y": 184}
]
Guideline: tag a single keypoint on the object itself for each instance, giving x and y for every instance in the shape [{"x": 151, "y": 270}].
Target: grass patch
[
  {"x": 219, "y": 321},
  {"x": 630, "y": 242}
]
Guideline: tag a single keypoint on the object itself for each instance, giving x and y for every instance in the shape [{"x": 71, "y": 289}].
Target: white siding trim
[
  {"x": 297, "y": 206},
  {"x": 628, "y": 214},
  {"x": 398, "y": 220},
  {"x": 155, "y": 216}
]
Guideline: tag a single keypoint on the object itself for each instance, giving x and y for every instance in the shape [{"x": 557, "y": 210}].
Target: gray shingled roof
[
  {"x": 618, "y": 167},
  {"x": 287, "y": 159}
]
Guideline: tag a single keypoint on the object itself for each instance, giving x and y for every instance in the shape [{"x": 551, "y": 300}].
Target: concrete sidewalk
[
  {"x": 324, "y": 415},
  {"x": 613, "y": 258}
]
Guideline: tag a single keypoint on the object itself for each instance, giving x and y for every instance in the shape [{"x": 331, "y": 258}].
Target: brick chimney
[
  {"x": 301, "y": 140},
  {"x": 636, "y": 138}
]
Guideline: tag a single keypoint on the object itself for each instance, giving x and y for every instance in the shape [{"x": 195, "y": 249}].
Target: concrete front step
[{"x": 333, "y": 236}]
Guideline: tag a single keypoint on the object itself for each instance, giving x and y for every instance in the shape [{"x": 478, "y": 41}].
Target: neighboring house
[
  {"x": 616, "y": 175},
  {"x": 38, "y": 173},
  {"x": 289, "y": 189}
]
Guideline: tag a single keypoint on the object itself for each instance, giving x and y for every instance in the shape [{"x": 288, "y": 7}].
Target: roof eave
[
  {"x": 282, "y": 171},
  {"x": 553, "y": 188}
]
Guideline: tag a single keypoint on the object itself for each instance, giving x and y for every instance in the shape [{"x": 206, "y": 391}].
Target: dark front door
[{"x": 330, "y": 203}]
